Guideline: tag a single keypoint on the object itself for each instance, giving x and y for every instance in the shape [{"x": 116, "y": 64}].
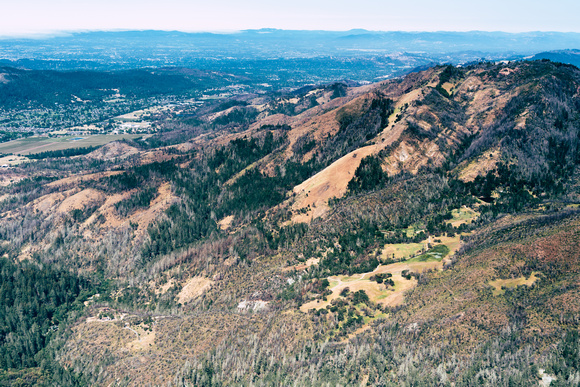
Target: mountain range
[{"x": 113, "y": 50}]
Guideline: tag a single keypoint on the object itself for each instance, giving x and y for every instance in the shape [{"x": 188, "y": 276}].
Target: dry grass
[
  {"x": 448, "y": 86},
  {"x": 79, "y": 200},
  {"x": 402, "y": 250},
  {"x": 379, "y": 293},
  {"x": 77, "y": 179},
  {"x": 407, "y": 250},
  {"x": 452, "y": 242},
  {"x": 225, "y": 223},
  {"x": 332, "y": 181},
  {"x": 396, "y": 296},
  {"x": 391, "y": 296},
  {"x": 112, "y": 151},
  {"x": 102, "y": 220},
  {"x": 165, "y": 287},
  {"x": 145, "y": 338},
  {"x": 478, "y": 167},
  {"x": 12, "y": 160},
  {"x": 47, "y": 202},
  {"x": 162, "y": 202},
  {"x": 193, "y": 288},
  {"x": 499, "y": 285},
  {"x": 305, "y": 265}
]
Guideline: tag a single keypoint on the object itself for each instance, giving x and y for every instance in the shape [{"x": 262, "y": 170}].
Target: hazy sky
[{"x": 30, "y": 16}]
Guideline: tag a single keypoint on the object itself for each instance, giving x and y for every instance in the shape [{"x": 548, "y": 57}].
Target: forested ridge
[
  {"x": 46, "y": 88},
  {"x": 420, "y": 231}
]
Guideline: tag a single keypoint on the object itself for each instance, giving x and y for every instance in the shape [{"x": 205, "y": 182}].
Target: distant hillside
[
  {"x": 32, "y": 88},
  {"x": 563, "y": 56}
]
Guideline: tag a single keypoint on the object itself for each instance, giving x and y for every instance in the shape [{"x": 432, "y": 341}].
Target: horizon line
[{"x": 64, "y": 33}]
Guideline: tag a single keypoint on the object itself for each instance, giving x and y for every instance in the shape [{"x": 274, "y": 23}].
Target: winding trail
[{"x": 132, "y": 330}]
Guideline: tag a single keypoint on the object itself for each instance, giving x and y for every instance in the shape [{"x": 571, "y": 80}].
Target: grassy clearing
[
  {"x": 500, "y": 285},
  {"x": 393, "y": 116},
  {"x": 304, "y": 265},
  {"x": 480, "y": 166},
  {"x": 453, "y": 242},
  {"x": 436, "y": 254},
  {"x": 382, "y": 294},
  {"x": 12, "y": 160},
  {"x": 333, "y": 283},
  {"x": 376, "y": 316},
  {"x": 377, "y": 293},
  {"x": 400, "y": 251},
  {"x": 413, "y": 230},
  {"x": 403, "y": 250},
  {"x": 30, "y": 145},
  {"x": 448, "y": 86},
  {"x": 464, "y": 215}
]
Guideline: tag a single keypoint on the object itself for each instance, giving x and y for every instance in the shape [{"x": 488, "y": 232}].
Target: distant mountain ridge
[
  {"x": 563, "y": 56},
  {"x": 331, "y": 41},
  {"x": 154, "y": 48},
  {"x": 46, "y": 88}
]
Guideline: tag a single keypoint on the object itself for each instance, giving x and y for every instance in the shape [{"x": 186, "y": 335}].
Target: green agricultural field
[{"x": 31, "y": 145}]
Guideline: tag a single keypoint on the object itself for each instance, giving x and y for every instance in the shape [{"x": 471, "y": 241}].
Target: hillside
[
  {"x": 43, "y": 88},
  {"x": 35, "y": 104},
  {"x": 563, "y": 56},
  {"x": 417, "y": 231}
]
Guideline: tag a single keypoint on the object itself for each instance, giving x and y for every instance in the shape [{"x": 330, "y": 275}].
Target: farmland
[{"x": 37, "y": 144}]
